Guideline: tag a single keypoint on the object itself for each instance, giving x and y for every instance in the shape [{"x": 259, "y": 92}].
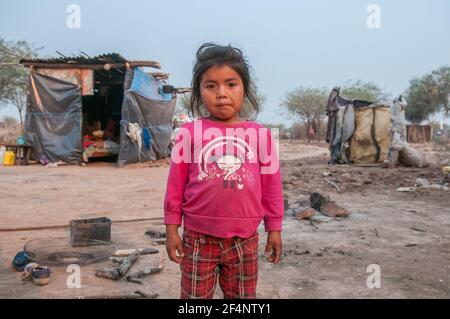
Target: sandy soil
[{"x": 406, "y": 234}]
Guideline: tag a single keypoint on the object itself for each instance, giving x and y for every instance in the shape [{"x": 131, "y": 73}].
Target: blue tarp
[{"x": 148, "y": 87}]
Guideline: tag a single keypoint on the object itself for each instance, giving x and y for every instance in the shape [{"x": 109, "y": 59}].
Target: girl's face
[{"x": 222, "y": 93}]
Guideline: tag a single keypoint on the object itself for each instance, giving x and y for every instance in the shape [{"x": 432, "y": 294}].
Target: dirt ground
[{"x": 406, "y": 234}]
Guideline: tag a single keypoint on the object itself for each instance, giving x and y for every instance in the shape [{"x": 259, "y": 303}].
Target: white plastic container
[{"x": 2, "y": 154}]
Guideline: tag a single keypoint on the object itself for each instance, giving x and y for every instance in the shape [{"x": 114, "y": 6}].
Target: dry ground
[{"x": 406, "y": 234}]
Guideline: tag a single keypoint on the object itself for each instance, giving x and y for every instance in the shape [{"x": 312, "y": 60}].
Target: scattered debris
[
  {"x": 39, "y": 275},
  {"x": 410, "y": 157},
  {"x": 423, "y": 186},
  {"x": 422, "y": 182},
  {"x": 316, "y": 200},
  {"x": 445, "y": 174},
  {"x": 306, "y": 213},
  {"x": 342, "y": 252},
  {"x": 59, "y": 251},
  {"x": 142, "y": 251},
  {"x": 311, "y": 222},
  {"x": 320, "y": 204},
  {"x": 136, "y": 276},
  {"x": 55, "y": 164},
  {"x": 155, "y": 234},
  {"x": 438, "y": 187},
  {"x": 116, "y": 260},
  {"x": 21, "y": 260},
  {"x": 158, "y": 237},
  {"x": 332, "y": 209},
  {"x": 136, "y": 295},
  {"x": 119, "y": 271},
  {"x": 332, "y": 184},
  {"x": 346, "y": 177},
  {"x": 93, "y": 231},
  {"x": 320, "y": 219},
  {"x": 418, "y": 229},
  {"x": 326, "y": 206},
  {"x": 157, "y": 242},
  {"x": 296, "y": 252},
  {"x": 326, "y": 173}
]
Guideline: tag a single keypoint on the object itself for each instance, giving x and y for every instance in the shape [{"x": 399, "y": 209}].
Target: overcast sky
[{"x": 288, "y": 43}]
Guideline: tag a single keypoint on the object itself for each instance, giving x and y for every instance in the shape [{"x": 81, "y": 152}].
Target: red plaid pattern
[{"x": 234, "y": 261}]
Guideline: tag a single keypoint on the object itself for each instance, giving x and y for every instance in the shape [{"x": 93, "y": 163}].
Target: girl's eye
[
  {"x": 210, "y": 86},
  {"x": 231, "y": 84}
]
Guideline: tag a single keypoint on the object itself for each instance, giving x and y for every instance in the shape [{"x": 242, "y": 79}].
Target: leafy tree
[
  {"x": 419, "y": 97},
  {"x": 428, "y": 94},
  {"x": 13, "y": 76},
  {"x": 308, "y": 105},
  {"x": 183, "y": 101},
  {"x": 367, "y": 91}
]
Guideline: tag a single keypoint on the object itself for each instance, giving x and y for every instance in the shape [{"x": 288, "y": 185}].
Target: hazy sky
[{"x": 288, "y": 43}]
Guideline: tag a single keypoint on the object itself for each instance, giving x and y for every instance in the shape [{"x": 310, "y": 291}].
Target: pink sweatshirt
[{"x": 224, "y": 179}]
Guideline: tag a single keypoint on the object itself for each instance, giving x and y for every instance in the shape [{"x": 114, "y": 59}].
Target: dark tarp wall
[
  {"x": 53, "y": 118},
  {"x": 145, "y": 105}
]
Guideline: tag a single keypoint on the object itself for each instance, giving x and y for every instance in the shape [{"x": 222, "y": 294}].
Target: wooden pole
[{"x": 106, "y": 66}]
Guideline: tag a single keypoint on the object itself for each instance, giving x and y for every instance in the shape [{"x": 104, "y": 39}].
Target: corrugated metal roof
[{"x": 81, "y": 59}]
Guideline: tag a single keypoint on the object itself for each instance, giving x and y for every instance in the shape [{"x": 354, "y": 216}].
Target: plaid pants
[{"x": 234, "y": 261}]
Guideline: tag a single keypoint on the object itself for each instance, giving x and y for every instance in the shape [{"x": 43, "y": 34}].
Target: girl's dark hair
[{"x": 209, "y": 55}]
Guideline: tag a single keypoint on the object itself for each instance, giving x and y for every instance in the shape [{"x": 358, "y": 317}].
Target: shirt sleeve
[
  {"x": 271, "y": 185},
  {"x": 176, "y": 182}
]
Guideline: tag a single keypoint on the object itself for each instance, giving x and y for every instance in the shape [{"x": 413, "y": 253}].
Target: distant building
[{"x": 417, "y": 133}]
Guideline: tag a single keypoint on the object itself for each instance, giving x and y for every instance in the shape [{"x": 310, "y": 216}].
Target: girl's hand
[
  {"x": 174, "y": 244},
  {"x": 273, "y": 247}
]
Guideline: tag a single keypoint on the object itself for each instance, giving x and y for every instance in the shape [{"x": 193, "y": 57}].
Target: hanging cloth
[{"x": 134, "y": 132}]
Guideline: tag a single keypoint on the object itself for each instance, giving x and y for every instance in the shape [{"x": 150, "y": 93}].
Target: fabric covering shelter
[
  {"x": 58, "y": 90},
  {"x": 145, "y": 105},
  {"x": 358, "y": 131}
]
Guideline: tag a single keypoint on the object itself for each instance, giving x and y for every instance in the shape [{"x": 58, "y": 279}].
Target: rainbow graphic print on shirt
[{"x": 224, "y": 158}]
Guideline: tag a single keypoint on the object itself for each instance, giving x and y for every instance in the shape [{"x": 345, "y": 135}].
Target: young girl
[{"x": 222, "y": 182}]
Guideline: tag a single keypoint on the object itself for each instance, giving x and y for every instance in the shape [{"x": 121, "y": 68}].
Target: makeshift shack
[
  {"x": 419, "y": 133},
  {"x": 105, "y": 106},
  {"x": 358, "y": 131}
]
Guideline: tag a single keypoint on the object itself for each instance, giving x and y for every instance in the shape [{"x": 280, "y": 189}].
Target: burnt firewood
[{"x": 120, "y": 270}]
